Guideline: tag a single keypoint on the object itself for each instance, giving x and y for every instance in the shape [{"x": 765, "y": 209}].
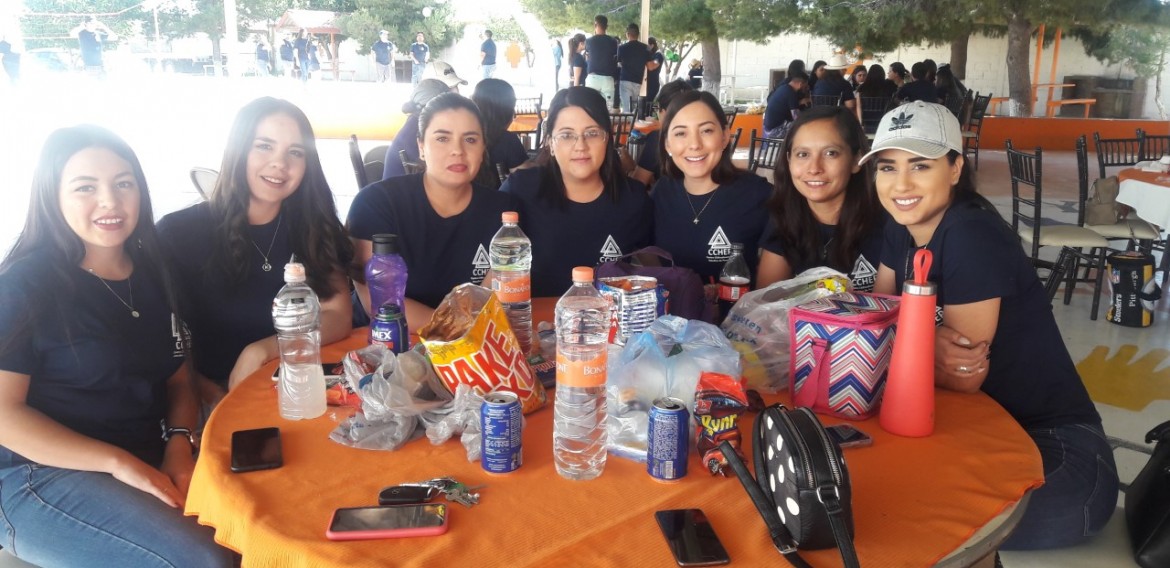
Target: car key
[{"x": 406, "y": 495}]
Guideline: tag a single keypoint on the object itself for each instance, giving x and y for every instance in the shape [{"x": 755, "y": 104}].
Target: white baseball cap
[
  {"x": 443, "y": 71},
  {"x": 926, "y": 129}
]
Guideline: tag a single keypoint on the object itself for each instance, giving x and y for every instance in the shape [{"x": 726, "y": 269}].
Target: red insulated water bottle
[{"x": 908, "y": 402}]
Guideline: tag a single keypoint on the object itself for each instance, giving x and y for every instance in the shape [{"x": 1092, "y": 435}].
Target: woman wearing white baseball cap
[{"x": 996, "y": 332}]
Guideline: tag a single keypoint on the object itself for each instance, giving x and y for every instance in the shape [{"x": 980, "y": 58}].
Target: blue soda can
[
  {"x": 500, "y": 422},
  {"x": 389, "y": 329},
  {"x": 668, "y": 448}
]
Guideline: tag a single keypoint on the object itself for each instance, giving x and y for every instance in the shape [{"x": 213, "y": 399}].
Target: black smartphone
[
  {"x": 253, "y": 450},
  {"x": 848, "y": 436},
  {"x": 691, "y": 538}
]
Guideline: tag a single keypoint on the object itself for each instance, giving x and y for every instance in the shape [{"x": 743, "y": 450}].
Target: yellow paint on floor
[{"x": 1118, "y": 381}]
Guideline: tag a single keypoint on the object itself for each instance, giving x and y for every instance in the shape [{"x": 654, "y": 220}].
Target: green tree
[
  {"x": 47, "y": 23},
  {"x": 402, "y": 18}
]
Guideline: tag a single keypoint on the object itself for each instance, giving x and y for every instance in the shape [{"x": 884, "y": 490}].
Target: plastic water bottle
[
  {"x": 579, "y": 435},
  {"x": 296, "y": 314},
  {"x": 386, "y": 276},
  {"x": 510, "y": 254},
  {"x": 733, "y": 280}
]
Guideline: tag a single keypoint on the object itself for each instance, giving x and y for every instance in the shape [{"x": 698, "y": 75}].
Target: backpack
[
  {"x": 1133, "y": 291},
  {"x": 1101, "y": 206}
]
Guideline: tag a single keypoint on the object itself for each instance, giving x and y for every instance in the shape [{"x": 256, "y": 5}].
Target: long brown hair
[{"x": 318, "y": 239}]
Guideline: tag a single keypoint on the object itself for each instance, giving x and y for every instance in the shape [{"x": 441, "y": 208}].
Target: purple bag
[{"x": 686, "y": 288}]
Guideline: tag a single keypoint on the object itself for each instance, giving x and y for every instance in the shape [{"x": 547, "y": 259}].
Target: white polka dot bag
[{"x": 801, "y": 487}]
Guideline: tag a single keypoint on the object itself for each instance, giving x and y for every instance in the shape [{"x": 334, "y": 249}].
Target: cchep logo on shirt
[
  {"x": 480, "y": 265},
  {"x": 863, "y": 275},
  {"x": 610, "y": 251},
  {"x": 179, "y": 332},
  {"x": 720, "y": 246}
]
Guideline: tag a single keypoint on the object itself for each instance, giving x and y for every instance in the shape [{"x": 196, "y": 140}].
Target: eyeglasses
[{"x": 569, "y": 138}]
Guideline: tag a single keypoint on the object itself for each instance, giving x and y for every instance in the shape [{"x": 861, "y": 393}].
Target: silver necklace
[
  {"x": 267, "y": 267},
  {"x": 700, "y": 211},
  {"x": 130, "y": 286}
]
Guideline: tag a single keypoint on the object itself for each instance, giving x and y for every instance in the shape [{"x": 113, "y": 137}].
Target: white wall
[{"x": 986, "y": 67}]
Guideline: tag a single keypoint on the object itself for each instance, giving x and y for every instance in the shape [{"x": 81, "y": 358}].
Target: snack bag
[
  {"x": 719, "y": 402},
  {"x": 470, "y": 342}
]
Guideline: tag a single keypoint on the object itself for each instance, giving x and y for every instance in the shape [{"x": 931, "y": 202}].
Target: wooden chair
[
  {"x": 825, "y": 100},
  {"x": 1126, "y": 229},
  {"x": 872, "y": 111},
  {"x": 731, "y": 113},
  {"x": 975, "y": 126},
  {"x": 643, "y": 107},
  {"x": 531, "y": 107},
  {"x": 1025, "y": 169},
  {"x": 763, "y": 152},
  {"x": 1153, "y": 147},
  {"x": 1116, "y": 152},
  {"x": 204, "y": 180},
  {"x": 735, "y": 139},
  {"x": 409, "y": 166},
  {"x": 355, "y": 160},
  {"x": 621, "y": 124}
]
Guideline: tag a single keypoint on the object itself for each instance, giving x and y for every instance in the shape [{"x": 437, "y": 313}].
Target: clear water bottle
[
  {"x": 733, "y": 280},
  {"x": 510, "y": 254},
  {"x": 386, "y": 276},
  {"x": 296, "y": 314},
  {"x": 579, "y": 435}
]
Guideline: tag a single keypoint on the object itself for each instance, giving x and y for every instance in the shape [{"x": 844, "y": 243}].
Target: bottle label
[
  {"x": 512, "y": 291},
  {"x": 589, "y": 373},
  {"x": 731, "y": 293}
]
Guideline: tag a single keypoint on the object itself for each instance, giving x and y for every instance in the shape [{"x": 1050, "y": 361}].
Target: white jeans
[
  {"x": 602, "y": 84},
  {"x": 630, "y": 89}
]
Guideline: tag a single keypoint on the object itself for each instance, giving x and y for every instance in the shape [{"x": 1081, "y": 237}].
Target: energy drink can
[
  {"x": 500, "y": 429},
  {"x": 389, "y": 329},
  {"x": 668, "y": 447}
]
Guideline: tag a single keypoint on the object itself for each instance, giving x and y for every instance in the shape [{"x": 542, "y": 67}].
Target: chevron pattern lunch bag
[{"x": 841, "y": 347}]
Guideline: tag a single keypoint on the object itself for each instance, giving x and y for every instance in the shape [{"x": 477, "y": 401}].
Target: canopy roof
[{"x": 315, "y": 21}]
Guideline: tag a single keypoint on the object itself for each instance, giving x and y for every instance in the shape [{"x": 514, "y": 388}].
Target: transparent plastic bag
[
  {"x": 462, "y": 418},
  {"x": 758, "y": 324}
]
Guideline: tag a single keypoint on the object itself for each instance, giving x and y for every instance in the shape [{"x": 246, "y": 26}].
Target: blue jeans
[
  {"x": 416, "y": 72},
  {"x": 1079, "y": 492},
  {"x": 63, "y": 517}
]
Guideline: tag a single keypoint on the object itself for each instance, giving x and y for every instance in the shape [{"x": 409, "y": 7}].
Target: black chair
[
  {"x": 1153, "y": 146},
  {"x": 731, "y": 113},
  {"x": 409, "y": 166},
  {"x": 975, "y": 126},
  {"x": 621, "y": 124},
  {"x": 376, "y": 154},
  {"x": 502, "y": 172},
  {"x": 643, "y": 107},
  {"x": 734, "y": 142},
  {"x": 1126, "y": 229},
  {"x": 531, "y": 107},
  {"x": 1025, "y": 169},
  {"x": 374, "y": 170},
  {"x": 355, "y": 160},
  {"x": 825, "y": 100},
  {"x": 872, "y": 111},
  {"x": 1116, "y": 152},
  {"x": 763, "y": 152}
]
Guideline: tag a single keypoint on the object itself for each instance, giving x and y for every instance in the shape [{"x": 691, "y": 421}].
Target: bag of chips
[{"x": 470, "y": 342}]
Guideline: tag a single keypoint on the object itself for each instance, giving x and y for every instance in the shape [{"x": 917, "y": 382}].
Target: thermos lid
[
  {"x": 916, "y": 289},
  {"x": 385, "y": 243}
]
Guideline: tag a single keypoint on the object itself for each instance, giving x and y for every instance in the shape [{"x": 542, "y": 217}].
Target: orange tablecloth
[
  {"x": 915, "y": 500},
  {"x": 1156, "y": 178},
  {"x": 524, "y": 123}
]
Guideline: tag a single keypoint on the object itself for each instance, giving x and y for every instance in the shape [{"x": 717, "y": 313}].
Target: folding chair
[
  {"x": 1117, "y": 152},
  {"x": 643, "y": 107},
  {"x": 735, "y": 139},
  {"x": 975, "y": 127},
  {"x": 1025, "y": 169},
  {"x": 872, "y": 111},
  {"x": 621, "y": 123},
  {"x": 1153, "y": 146},
  {"x": 764, "y": 152}
]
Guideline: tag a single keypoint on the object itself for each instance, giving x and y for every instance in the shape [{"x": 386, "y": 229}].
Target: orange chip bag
[{"x": 469, "y": 341}]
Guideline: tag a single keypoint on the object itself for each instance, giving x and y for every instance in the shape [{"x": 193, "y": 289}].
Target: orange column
[{"x": 1052, "y": 73}]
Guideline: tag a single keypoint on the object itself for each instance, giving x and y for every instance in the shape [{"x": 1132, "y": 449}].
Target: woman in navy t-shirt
[
  {"x": 271, "y": 201},
  {"x": 703, "y": 203},
  {"x": 407, "y": 136},
  {"x": 996, "y": 332},
  {"x": 444, "y": 223},
  {"x": 823, "y": 212},
  {"x": 91, "y": 362},
  {"x": 577, "y": 208},
  {"x": 496, "y": 100}
]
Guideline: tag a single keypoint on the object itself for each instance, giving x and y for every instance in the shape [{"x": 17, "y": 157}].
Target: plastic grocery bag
[
  {"x": 664, "y": 360},
  {"x": 395, "y": 397},
  {"x": 758, "y": 324}
]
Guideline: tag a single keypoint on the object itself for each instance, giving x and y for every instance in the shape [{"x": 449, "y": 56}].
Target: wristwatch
[{"x": 168, "y": 432}]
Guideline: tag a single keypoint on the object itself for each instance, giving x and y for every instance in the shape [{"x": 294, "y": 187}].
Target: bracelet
[{"x": 168, "y": 433}]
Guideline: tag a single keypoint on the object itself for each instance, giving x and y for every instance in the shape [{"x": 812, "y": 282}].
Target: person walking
[
  {"x": 286, "y": 56},
  {"x": 632, "y": 57},
  {"x": 383, "y": 61},
  {"x": 654, "y": 68},
  {"x": 558, "y": 53},
  {"x": 301, "y": 49},
  {"x": 420, "y": 54},
  {"x": 601, "y": 60},
  {"x": 487, "y": 55},
  {"x": 263, "y": 57},
  {"x": 91, "y": 36}
]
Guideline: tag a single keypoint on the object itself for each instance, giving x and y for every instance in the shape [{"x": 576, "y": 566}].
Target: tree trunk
[
  {"x": 217, "y": 58},
  {"x": 1158, "y": 88},
  {"x": 959, "y": 56},
  {"x": 712, "y": 72},
  {"x": 1019, "y": 81}
]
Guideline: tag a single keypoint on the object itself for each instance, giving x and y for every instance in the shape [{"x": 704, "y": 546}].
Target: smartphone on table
[
  {"x": 848, "y": 436},
  {"x": 258, "y": 449},
  {"x": 691, "y": 538},
  {"x": 389, "y": 521}
]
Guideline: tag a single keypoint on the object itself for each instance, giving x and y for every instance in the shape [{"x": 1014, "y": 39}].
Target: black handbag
[
  {"x": 1147, "y": 504},
  {"x": 802, "y": 487}
]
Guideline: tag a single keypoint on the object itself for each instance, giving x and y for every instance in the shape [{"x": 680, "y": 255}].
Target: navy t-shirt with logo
[
  {"x": 92, "y": 366},
  {"x": 440, "y": 253},
  {"x": 418, "y": 52},
  {"x": 579, "y": 234},
  {"x": 977, "y": 257},
  {"x": 863, "y": 273},
  {"x": 382, "y": 50},
  {"x": 733, "y": 213}
]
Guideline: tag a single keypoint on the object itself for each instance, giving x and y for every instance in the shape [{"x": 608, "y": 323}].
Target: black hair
[
  {"x": 633, "y": 29},
  {"x": 317, "y": 237},
  {"x": 918, "y": 71},
  {"x": 443, "y": 103},
  {"x": 875, "y": 83},
  {"x": 797, "y": 227},
  {"x": 552, "y": 182},
  {"x": 496, "y": 100},
  {"x": 931, "y": 68},
  {"x": 670, "y": 90},
  {"x": 601, "y": 21},
  {"x": 488, "y": 33},
  {"x": 724, "y": 172},
  {"x": 898, "y": 68},
  {"x": 798, "y": 75},
  {"x": 652, "y": 41},
  {"x": 794, "y": 66}
]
